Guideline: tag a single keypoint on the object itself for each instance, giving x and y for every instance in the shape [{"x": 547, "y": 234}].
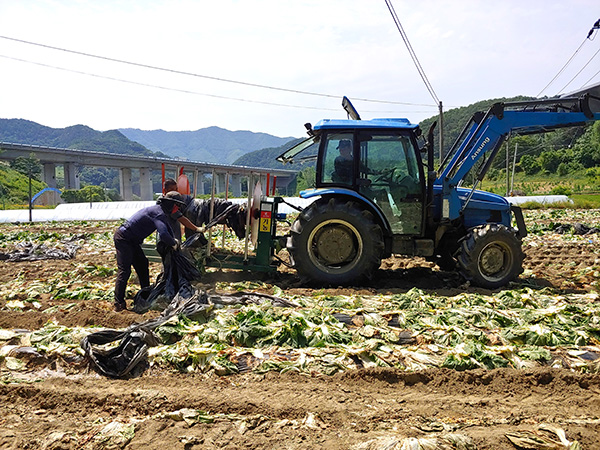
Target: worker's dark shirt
[
  {"x": 177, "y": 214},
  {"x": 343, "y": 170},
  {"x": 144, "y": 222}
]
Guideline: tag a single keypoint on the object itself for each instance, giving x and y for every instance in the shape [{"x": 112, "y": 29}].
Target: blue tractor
[{"x": 378, "y": 193}]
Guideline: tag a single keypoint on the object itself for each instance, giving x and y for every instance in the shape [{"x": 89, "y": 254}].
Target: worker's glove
[
  {"x": 177, "y": 246},
  {"x": 200, "y": 229}
]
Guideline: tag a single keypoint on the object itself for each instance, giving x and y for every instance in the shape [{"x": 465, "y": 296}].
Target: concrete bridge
[{"x": 74, "y": 160}]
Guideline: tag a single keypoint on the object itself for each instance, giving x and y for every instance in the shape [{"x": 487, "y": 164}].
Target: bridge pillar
[
  {"x": 200, "y": 187},
  {"x": 125, "y": 183},
  {"x": 50, "y": 174},
  {"x": 49, "y": 177},
  {"x": 146, "y": 184},
  {"x": 220, "y": 186},
  {"x": 71, "y": 176},
  {"x": 215, "y": 182},
  {"x": 235, "y": 182}
]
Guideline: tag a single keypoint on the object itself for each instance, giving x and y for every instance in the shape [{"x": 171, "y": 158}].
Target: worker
[
  {"x": 170, "y": 189},
  {"x": 199, "y": 212},
  {"x": 343, "y": 164},
  {"x": 128, "y": 240},
  {"x": 170, "y": 185}
]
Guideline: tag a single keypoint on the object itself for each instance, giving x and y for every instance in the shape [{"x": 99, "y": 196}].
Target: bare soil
[{"x": 55, "y": 407}]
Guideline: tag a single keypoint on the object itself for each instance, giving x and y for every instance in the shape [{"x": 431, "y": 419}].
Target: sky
[{"x": 273, "y": 65}]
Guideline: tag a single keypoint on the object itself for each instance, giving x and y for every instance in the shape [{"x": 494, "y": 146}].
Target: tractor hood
[
  {"x": 482, "y": 199},
  {"x": 483, "y": 207},
  {"x": 479, "y": 199}
]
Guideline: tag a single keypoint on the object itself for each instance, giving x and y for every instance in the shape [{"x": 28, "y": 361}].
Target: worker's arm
[
  {"x": 188, "y": 224},
  {"x": 165, "y": 233}
]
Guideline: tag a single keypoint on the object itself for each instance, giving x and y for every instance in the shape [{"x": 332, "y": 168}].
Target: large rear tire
[
  {"x": 336, "y": 242},
  {"x": 490, "y": 256}
]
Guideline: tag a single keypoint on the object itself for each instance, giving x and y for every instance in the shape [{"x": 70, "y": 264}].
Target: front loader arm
[{"x": 485, "y": 134}]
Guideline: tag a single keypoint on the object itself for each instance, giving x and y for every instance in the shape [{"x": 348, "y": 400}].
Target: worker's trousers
[{"x": 129, "y": 253}]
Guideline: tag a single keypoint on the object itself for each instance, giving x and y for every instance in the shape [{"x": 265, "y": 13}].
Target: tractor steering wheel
[{"x": 386, "y": 175}]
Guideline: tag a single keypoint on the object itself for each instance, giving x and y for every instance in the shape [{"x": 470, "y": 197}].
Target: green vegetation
[
  {"x": 14, "y": 187},
  {"x": 76, "y": 137},
  {"x": 306, "y": 178},
  {"x": 266, "y": 158},
  {"x": 586, "y": 201},
  {"x": 89, "y": 194}
]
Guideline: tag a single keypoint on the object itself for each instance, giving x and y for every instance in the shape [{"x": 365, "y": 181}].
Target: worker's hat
[
  {"x": 344, "y": 143},
  {"x": 171, "y": 202}
]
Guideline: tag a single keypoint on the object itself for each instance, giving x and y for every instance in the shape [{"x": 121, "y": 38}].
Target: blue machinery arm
[{"x": 485, "y": 134}]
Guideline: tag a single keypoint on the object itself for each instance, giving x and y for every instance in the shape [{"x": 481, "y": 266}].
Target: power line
[
  {"x": 412, "y": 53},
  {"x": 137, "y": 83},
  {"x": 562, "y": 69},
  {"x": 581, "y": 70},
  {"x": 208, "y": 77},
  {"x": 185, "y": 91},
  {"x": 591, "y": 78},
  {"x": 594, "y": 28}
]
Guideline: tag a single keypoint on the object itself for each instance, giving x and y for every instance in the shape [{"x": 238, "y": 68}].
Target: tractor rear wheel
[
  {"x": 336, "y": 242},
  {"x": 490, "y": 256}
]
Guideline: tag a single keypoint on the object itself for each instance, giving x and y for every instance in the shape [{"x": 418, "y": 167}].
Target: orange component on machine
[{"x": 183, "y": 184}]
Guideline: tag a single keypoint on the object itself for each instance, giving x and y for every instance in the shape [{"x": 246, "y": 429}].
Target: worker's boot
[{"x": 118, "y": 307}]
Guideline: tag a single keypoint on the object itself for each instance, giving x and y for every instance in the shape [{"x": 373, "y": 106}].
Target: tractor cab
[{"x": 377, "y": 160}]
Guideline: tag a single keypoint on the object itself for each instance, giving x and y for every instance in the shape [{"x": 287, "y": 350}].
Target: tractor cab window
[
  {"x": 389, "y": 175},
  {"x": 338, "y": 159}
]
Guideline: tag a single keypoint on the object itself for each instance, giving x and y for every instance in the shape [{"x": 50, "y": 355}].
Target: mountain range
[
  {"x": 20, "y": 131},
  {"x": 212, "y": 144}
]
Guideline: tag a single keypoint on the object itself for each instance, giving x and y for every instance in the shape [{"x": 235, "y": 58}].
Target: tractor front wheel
[
  {"x": 336, "y": 243},
  {"x": 490, "y": 256}
]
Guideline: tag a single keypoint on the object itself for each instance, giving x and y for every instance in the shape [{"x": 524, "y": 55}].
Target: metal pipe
[
  {"x": 248, "y": 212},
  {"x": 212, "y": 210},
  {"x": 226, "y": 198}
]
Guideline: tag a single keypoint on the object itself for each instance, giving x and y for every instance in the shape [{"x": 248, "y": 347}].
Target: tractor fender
[{"x": 338, "y": 192}]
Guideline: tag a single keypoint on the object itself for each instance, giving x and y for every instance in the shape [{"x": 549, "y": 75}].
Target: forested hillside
[
  {"x": 266, "y": 157},
  {"x": 212, "y": 144},
  {"x": 575, "y": 148},
  {"x": 456, "y": 118}
]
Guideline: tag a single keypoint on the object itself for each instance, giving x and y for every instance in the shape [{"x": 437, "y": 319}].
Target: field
[{"x": 416, "y": 356}]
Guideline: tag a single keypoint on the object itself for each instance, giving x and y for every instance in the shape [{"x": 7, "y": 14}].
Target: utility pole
[
  {"x": 512, "y": 181},
  {"x": 507, "y": 171},
  {"x": 441, "y": 131},
  {"x": 30, "y": 199}
]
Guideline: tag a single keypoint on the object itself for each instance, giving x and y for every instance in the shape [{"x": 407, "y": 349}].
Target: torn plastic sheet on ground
[
  {"x": 29, "y": 251},
  {"x": 576, "y": 228}
]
